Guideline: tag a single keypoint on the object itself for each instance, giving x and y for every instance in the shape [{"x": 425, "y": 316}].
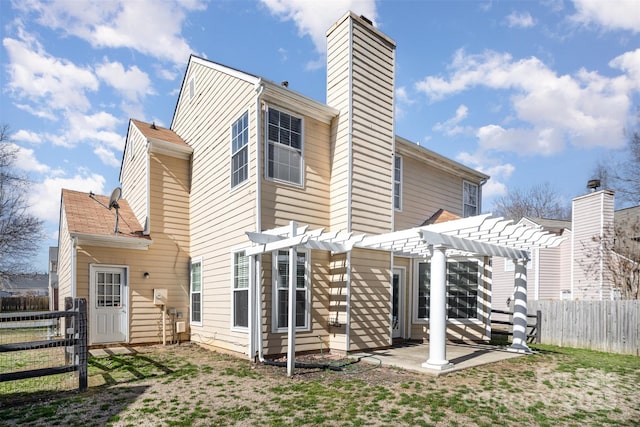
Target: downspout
[
  {"x": 255, "y": 330},
  {"x": 147, "y": 225}
]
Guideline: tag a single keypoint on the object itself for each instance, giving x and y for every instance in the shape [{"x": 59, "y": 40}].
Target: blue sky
[{"x": 527, "y": 92}]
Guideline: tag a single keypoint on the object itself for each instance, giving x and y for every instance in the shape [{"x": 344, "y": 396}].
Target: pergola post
[
  {"x": 291, "y": 319},
  {"x": 519, "y": 340},
  {"x": 438, "y": 312}
]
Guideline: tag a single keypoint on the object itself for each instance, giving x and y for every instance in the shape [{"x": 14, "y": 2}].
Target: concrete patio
[{"x": 412, "y": 355}]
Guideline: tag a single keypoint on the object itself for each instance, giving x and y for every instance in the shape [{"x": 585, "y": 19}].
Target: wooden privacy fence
[
  {"x": 610, "y": 326},
  {"x": 74, "y": 341}
]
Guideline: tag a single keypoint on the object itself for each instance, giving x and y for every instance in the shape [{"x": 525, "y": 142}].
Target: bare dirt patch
[{"x": 188, "y": 385}]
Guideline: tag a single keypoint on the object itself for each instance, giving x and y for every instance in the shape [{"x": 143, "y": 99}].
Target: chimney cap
[
  {"x": 284, "y": 83},
  {"x": 593, "y": 184}
]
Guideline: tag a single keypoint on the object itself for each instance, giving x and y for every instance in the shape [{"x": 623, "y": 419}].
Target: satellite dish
[{"x": 115, "y": 196}]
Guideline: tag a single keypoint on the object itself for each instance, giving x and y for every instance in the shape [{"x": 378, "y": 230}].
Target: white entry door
[
  {"x": 397, "y": 305},
  {"x": 109, "y": 321}
]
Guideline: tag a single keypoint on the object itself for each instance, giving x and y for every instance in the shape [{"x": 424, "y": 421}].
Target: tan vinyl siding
[
  {"x": 591, "y": 214},
  {"x": 425, "y": 189},
  {"x": 370, "y": 301},
  {"x": 338, "y": 302},
  {"x": 308, "y": 205},
  {"x": 338, "y": 86},
  {"x": 64, "y": 261},
  {"x": 134, "y": 174},
  {"x": 550, "y": 278},
  {"x": 372, "y": 131},
  {"x": 219, "y": 215}
]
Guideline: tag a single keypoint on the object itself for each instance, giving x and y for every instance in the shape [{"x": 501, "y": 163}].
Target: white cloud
[
  {"x": 27, "y": 136},
  {"x": 312, "y": 18},
  {"x": 133, "y": 83},
  {"x": 26, "y": 160},
  {"x": 451, "y": 127},
  {"x": 585, "y": 109},
  {"x": 520, "y": 20},
  {"x": 50, "y": 83},
  {"x": 146, "y": 26},
  {"x": 617, "y": 15},
  {"x": 107, "y": 156},
  {"x": 44, "y": 196}
]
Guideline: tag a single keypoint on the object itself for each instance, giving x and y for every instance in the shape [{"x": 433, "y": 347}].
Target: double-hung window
[
  {"x": 240, "y": 290},
  {"x": 397, "y": 183},
  {"x": 240, "y": 150},
  {"x": 462, "y": 280},
  {"x": 284, "y": 147},
  {"x": 470, "y": 199},
  {"x": 281, "y": 290},
  {"x": 196, "y": 292}
]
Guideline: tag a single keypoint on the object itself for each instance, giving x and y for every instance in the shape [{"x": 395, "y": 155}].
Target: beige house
[
  {"x": 572, "y": 270},
  {"x": 258, "y": 195}
]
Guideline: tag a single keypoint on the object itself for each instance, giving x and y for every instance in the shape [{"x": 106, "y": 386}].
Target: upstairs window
[
  {"x": 284, "y": 147},
  {"x": 470, "y": 199},
  {"x": 240, "y": 150},
  {"x": 397, "y": 183}
]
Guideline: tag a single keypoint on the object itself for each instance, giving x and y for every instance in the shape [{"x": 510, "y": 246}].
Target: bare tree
[
  {"x": 622, "y": 176},
  {"x": 540, "y": 201},
  {"x": 617, "y": 250},
  {"x": 20, "y": 231}
]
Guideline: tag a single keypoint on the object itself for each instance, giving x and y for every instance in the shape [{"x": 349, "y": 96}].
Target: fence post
[
  {"x": 538, "y": 327},
  {"x": 81, "y": 349}
]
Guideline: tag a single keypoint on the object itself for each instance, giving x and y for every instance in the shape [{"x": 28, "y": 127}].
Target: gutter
[
  {"x": 255, "y": 327},
  {"x": 74, "y": 242}
]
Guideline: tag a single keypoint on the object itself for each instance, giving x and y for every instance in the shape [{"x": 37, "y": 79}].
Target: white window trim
[
  {"x": 266, "y": 147},
  {"x": 452, "y": 321},
  {"x": 477, "y": 196},
  {"x": 231, "y": 153},
  {"x": 399, "y": 208},
  {"x": 196, "y": 261},
  {"x": 274, "y": 293},
  {"x": 233, "y": 327}
]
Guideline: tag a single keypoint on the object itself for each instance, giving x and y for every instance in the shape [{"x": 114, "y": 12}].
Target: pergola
[{"x": 480, "y": 235}]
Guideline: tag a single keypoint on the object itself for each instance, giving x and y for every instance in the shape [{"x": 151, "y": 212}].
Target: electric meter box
[{"x": 160, "y": 296}]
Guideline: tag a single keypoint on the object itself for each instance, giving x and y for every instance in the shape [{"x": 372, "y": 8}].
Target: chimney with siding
[
  {"x": 360, "y": 83},
  {"x": 592, "y": 216}
]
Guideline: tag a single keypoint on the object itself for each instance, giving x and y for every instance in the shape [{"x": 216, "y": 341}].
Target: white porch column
[
  {"x": 291, "y": 319},
  {"x": 519, "y": 340},
  {"x": 438, "y": 312}
]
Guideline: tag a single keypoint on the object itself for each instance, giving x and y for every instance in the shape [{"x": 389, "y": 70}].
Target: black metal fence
[{"x": 74, "y": 341}]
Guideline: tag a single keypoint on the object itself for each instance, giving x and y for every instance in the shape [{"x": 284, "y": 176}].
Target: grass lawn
[{"x": 186, "y": 385}]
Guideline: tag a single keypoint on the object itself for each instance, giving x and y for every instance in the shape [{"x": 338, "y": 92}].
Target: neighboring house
[
  {"x": 258, "y": 195},
  {"x": 25, "y": 285},
  {"x": 53, "y": 278},
  {"x": 573, "y": 270}
]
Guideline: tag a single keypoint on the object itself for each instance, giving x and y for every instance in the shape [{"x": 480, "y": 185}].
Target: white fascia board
[
  {"x": 298, "y": 103},
  {"x": 158, "y": 146},
  {"x": 112, "y": 241},
  {"x": 226, "y": 70}
]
